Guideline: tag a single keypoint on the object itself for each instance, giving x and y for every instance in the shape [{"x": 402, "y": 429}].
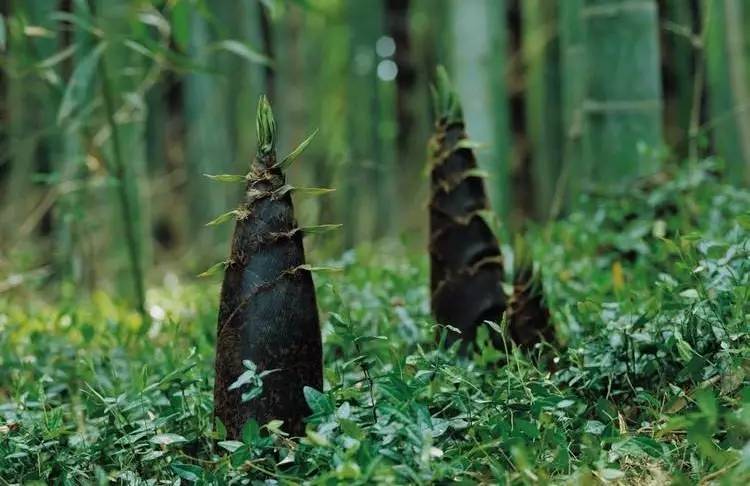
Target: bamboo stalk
[
  {"x": 726, "y": 86},
  {"x": 544, "y": 114},
  {"x": 572, "y": 59},
  {"x": 123, "y": 192},
  {"x": 738, "y": 78},
  {"x": 623, "y": 105},
  {"x": 479, "y": 66},
  {"x": 365, "y": 168},
  {"x": 207, "y": 143},
  {"x": 679, "y": 61}
]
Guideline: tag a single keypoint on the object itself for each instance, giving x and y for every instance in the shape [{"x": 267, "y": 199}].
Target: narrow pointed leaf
[
  {"x": 226, "y": 177},
  {"x": 244, "y": 51},
  {"x": 305, "y": 191},
  {"x": 214, "y": 269},
  {"x": 312, "y": 268},
  {"x": 312, "y": 191},
  {"x": 56, "y": 58},
  {"x": 321, "y": 228},
  {"x": 287, "y": 161},
  {"x": 222, "y": 218},
  {"x": 470, "y": 144},
  {"x": 76, "y": 91},
  {"x": 482, "y": 174}
]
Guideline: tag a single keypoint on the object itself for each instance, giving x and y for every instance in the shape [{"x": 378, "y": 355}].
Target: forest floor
[{"x": 648, "y": 382}]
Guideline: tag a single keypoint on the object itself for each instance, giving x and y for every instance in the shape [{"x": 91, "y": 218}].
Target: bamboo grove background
[{"x": 112, "y": 112}]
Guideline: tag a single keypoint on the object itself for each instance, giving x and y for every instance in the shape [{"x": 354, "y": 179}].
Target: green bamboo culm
[
  {"x": 479, "y": 62},
  {"x": 572, "y": 61},
  {"x": 682, "y": 63},
  {"x": 623, "y": 96},
  {"x": 541, "y": 46},
  {"x": 268, "y": 315},
  {"x": 728, "y": 81},
  {"x": 466, "y": 267}
]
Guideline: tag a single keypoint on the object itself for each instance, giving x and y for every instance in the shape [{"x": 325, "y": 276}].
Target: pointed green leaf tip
[
  {"x": 265, "y": 125},
  {"x": 445, "y": 99}
]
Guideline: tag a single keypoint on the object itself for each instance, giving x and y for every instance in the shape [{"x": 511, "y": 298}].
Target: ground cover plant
[{"x": 648, "y": 383}]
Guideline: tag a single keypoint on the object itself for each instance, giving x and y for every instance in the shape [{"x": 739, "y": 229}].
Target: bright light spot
[
  {"x": 387, "y": 70},
  {"x": 385, "y": 46},
  {"x": 157, "y": 312},
  {"x": 171, "y": 281}
]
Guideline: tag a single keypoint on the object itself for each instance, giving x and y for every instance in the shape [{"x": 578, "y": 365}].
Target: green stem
[
  {"x": 737, "y": 77},
  {"x": 124, "y": 199}
]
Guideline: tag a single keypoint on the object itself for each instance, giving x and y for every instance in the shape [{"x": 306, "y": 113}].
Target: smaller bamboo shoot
[
  {"x": 528, "y": 316},
  {"x": 465, "y": 260}
]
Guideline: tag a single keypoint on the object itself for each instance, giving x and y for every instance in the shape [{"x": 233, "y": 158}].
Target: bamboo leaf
[
  {"x": 243, "y": 50},
  {"x": 287, "y": 161},
  {"x": 305, "y": 191},
  {"x": 76, "y": 92},
  {"x": 226, "y": 177},
  {"x": 467, "y": 143},
  {"x": 38, "y": 31},
  {"x": 312, "y": 268},
  {"x": 215, "y": 269},
  {"x": 140, "y": 49},
  {"x": 54, "y": 59},
  {"x": 476, "y": 172},
  {"x": 321, "y": 228},
  {"x": 283, "y": 190},
  {"x": 153, "y": 18},
  {"x": 312, "y": 191},
  {"x": 223, "y": 218}
]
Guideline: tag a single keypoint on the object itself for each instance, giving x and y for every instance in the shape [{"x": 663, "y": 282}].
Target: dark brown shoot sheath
[{"x": 268, "y": 312}]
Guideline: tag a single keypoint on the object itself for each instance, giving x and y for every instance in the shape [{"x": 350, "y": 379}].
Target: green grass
[{"x": 649, "y": 291}]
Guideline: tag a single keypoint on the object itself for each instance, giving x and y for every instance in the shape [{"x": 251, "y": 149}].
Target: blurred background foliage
[{"x": 111, "y": 112}]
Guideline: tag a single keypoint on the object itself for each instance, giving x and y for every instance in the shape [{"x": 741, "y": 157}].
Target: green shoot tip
[
  {"x": 445, "y": 99},
  {"x": 265, "y": 125}
]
